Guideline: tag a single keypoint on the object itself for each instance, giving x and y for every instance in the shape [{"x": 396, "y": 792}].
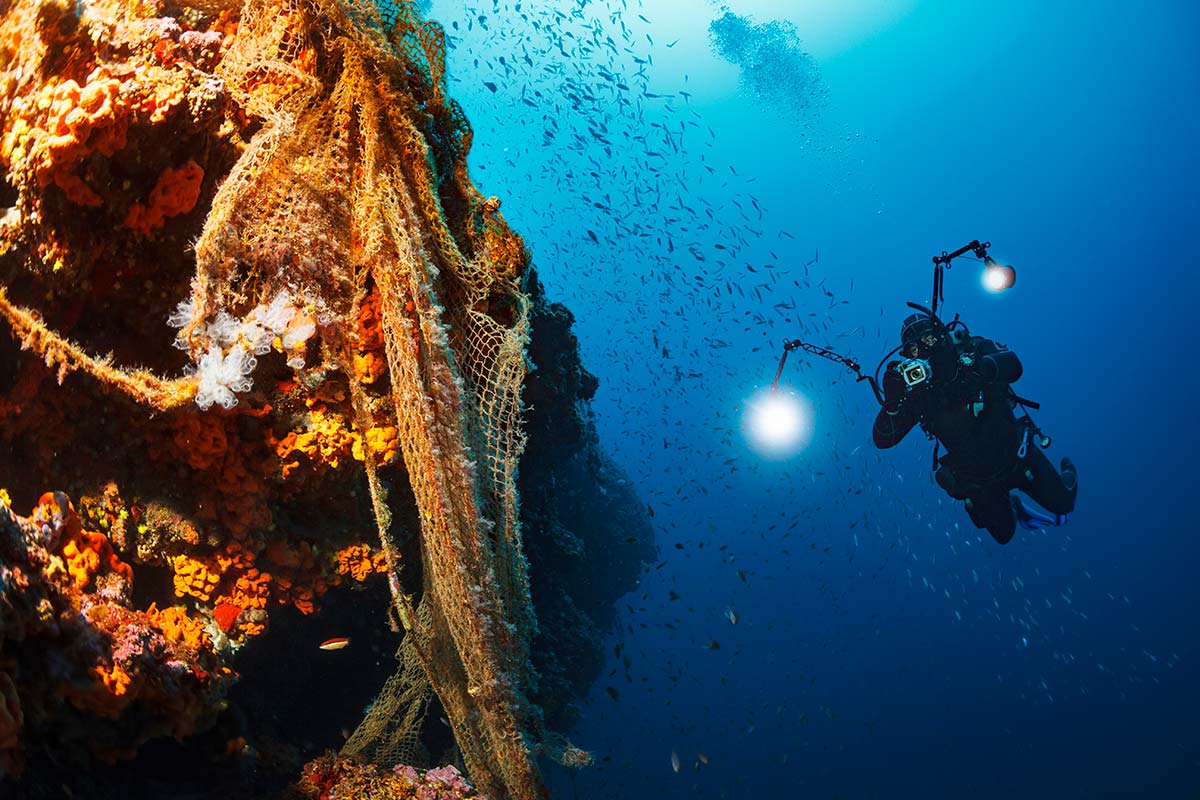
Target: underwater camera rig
[{"x": 915, "y": 372}]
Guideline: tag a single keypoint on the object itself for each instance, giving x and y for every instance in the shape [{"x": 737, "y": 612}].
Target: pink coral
[
  {"x": 449, "y": 776},
  {"x": 331, "y": 776}
]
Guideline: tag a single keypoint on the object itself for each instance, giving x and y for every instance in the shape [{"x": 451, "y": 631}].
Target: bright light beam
[
  {"x": 997, "y": 278},
  {"x": 777, "y": 422}
]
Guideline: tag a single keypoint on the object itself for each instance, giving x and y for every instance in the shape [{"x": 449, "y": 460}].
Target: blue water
[{"x": 885, "y": 647}]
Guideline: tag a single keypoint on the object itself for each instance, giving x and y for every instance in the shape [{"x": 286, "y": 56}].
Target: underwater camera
[{"x": 915, "y": 371}]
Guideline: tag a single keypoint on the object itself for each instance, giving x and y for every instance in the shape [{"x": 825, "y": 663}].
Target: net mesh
[{"x": 358, "y": 179}]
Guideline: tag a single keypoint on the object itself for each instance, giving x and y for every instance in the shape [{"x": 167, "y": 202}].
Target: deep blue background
[{"x": 885, "y": 648}]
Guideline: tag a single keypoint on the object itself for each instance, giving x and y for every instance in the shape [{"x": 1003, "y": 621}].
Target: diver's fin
[{"x": 1031, "y": 519}]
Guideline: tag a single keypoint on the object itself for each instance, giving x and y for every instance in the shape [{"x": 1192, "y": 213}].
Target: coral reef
[
  {"x": 113, "y": 119},
  {"x": 235, "y": 480},
  {"x": 332, "y": 777},
  {"x": 80, "y": 667}
]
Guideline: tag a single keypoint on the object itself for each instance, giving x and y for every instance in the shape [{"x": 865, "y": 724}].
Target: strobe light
[
  {"x": 777, "y": 423},
  {"x": 997, "y": 277}
]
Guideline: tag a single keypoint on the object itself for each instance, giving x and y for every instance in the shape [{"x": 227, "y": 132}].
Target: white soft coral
[
  {"x": 220, "y": 375},
  {"x": 263, "y": 323},
  {"x": 232, "y": 343}
]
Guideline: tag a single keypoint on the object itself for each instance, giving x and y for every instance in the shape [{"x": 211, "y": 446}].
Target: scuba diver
[{"x": 957, "y": 387}]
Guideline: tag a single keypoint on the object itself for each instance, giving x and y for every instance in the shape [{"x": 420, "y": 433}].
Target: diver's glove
[{"x": 893, "y": 389}]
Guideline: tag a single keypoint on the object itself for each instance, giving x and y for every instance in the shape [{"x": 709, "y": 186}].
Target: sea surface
[{"x": 700, "y": 182}]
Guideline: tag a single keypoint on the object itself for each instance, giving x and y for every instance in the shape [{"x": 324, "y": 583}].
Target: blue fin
[{"x": 1031, "y": 519}]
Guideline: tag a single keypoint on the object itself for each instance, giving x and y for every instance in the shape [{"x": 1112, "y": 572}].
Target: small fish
[
  {"x": 703, "y": 758},
  {"x": 336, "y": 643},
  {"x": 675, "y": 761},
  {"x": 731, "y": 615},
  {"x": 713, "y": 645},
  {"x": 612, "y": 692}
]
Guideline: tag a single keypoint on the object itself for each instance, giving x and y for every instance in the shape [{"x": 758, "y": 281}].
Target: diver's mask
[
  {"x": 917, "y": 369},
  {"x": 923, "y": 346}
]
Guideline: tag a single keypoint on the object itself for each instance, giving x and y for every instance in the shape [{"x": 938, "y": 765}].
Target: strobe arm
[
  {"x": 980, "y": 252},
  {"x": 824, "y": 352},
  {"x": 943, "y": 262}
]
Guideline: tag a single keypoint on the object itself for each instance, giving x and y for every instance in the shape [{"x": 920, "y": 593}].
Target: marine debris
[{"x": 286, "y": 185}]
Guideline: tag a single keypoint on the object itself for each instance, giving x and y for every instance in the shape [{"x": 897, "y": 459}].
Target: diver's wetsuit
[{"x": 971, "y": 414}]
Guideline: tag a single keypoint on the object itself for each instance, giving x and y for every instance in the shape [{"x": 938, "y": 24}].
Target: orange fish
[{"x": 336, "y": 643}]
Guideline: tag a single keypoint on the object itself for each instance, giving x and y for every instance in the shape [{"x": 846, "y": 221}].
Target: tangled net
[{"x": 354, "y": 186}]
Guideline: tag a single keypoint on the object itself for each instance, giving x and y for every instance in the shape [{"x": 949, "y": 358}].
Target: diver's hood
[{"x": 917, "y": 325}]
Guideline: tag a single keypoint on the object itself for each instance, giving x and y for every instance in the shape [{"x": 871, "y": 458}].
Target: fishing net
[
  {"x": 353, "y": 189},
  {"x": 359, "y": 179}
]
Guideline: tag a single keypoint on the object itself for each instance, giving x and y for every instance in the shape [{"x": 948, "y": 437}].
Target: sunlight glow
[{"x": 777, "y": 422}]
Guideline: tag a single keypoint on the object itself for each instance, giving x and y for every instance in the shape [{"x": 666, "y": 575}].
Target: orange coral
[
  {"x": 114, "y": 679},
  {"x": 251, "y": 589},
  {"x": 157, "y": 91},
  {"x": 212, "y": 443},
  {"x": 201, "y": 439},
  {"x": 178, "y": 627},
  {"x": 358, "y": 562},
  {"x": 86, "y": 553},
  {"x": 302, "y": 597},
  {"x": 370, "y": 322},
  {"x": 242, "y": 507},
  {"x": 107, "y": 694},
  {"x": 235, "y": 556},
  {"x": 176, "y": 193},
  {"x": 195, "y": 578},
  {"x": 369, "y": 366},
  {"x": 371, "y": 362},
  {"x": 298, "y": 579},
  {"x": 278, "y": 552},
  {"x": 79, "y": 121},
  {"x": 327, "y": 441},
  {"x": 251, "y": 629},
  {"x": 384, "y": 442}
]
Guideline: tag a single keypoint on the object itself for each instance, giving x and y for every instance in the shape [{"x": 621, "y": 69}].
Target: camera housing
[{"x": 915, "y": 371}]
